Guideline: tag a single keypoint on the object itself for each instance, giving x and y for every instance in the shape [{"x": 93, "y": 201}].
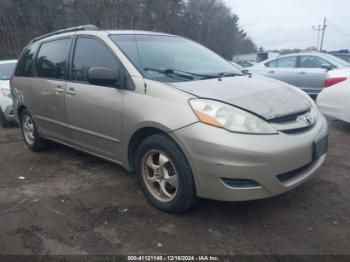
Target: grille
[
  {"x": 297, "y": 130},
  {"x": 285, "y": 177},
  {"x": 289, "y": 118}
]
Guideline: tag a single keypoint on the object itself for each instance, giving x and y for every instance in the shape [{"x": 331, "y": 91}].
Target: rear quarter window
[
  {"x": 25, "y": 63},
  {"x": 287, "y": 62},
  {"x": 271, "y": 63}
]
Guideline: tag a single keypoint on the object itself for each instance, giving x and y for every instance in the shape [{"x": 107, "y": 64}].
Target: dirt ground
[{"x": 68, "y": 202}]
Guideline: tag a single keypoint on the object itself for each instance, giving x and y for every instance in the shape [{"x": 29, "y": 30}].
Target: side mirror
[
  {"x": 246, "y": 72},
  {"x": 327, "y": 67},
  {"x": 102, "y": 76}
]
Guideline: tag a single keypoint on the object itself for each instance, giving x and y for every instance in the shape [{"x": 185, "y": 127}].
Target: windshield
[
  {"x": 166, "y": 58},
  {"x": 345, "y": 57},
  {"x": 6, "y": 70},
  {"x": 336, "y": 60}
]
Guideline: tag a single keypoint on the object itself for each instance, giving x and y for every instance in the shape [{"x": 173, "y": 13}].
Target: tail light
[{"x": 332, "y": 81}]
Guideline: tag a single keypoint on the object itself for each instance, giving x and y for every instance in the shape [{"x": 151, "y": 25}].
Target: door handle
[
  {"x": 59, "y": 90},
  {"x": 271, "y": 72},
  {"x": 71, "y": 91},
  {"x": 302, "y": 73}
]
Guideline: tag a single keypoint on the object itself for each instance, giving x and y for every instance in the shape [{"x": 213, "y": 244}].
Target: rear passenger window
[
  {"x": 89, "y": 53},
  {"x": 52, "y": 59},
  {"x": 25, "y": 64}
]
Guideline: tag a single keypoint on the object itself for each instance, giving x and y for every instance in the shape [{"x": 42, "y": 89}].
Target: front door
[
  {"x": 311, "y": 75},
  {"x": 94, "y": 113}
]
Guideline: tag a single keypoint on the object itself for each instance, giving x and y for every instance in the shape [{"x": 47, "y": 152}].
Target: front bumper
[
  {"x": 8, "y": 111},
  {"x": 216, "y": 155}
]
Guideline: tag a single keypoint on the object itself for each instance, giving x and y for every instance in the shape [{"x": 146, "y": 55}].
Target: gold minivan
[{"x": 187, "y": 122}]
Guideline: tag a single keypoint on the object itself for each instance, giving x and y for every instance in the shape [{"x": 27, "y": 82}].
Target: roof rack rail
[{"x": 66, "y": 30}]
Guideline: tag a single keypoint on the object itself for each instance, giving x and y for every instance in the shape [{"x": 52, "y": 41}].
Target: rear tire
[
  {"x": 30, "y": 133},
  {"x": 165, "y": 175},
  {"x": 4, "y": 123}
]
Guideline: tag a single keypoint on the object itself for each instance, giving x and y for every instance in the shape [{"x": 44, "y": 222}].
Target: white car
[
  {"x": 6, "y": 71},
  {"x": 334, "y": 100}
]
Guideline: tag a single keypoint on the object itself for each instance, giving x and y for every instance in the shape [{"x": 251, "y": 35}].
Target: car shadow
[{"x": 339, "y": 125}]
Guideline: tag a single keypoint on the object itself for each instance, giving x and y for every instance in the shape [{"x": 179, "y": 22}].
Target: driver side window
[
  {"x": 312, "y": 62},
  {"x": 89, "y": 53}
]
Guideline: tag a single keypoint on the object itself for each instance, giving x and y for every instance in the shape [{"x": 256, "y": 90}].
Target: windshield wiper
[
  {"x": 189, "y": 75},
  {"x": 169, "y": 72},
  {"x": 228, "y": 74}
]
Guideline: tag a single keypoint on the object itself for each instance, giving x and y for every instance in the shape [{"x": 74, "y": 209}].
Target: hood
[
  {"x": 263, "y": 96},
  {"x": 5, "y": 84}
]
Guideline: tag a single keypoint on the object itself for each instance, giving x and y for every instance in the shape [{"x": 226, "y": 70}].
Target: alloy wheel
[
  {"x": 160, "y": 175},
  {"x": 28, "y": 129}
]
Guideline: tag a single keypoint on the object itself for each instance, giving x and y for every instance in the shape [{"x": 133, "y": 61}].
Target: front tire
[
  {"x": 30, "y": 133},
  {"x": 165, "y": 175}
]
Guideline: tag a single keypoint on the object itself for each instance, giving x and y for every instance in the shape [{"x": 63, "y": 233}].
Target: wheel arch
[
  {"x": 145, "y": 132},
  {"x": 20, "y": 110},
  {"x": 136, "y": 139}
]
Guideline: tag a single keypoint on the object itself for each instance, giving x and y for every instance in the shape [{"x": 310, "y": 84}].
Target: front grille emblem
[{"x": 307, "y": 118}]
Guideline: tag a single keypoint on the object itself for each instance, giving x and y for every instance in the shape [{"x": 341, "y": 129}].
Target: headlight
[
  {"x": 230, "y": 118},
  {"x": 5, "y": 92}
]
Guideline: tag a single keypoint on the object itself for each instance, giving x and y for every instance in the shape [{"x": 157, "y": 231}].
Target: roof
[
  {"x": 91, "y": 29},
  {"x": 303, "y": 53},
  {"x": 66, "y": 30},
  {"x": 134, "y": 32},
  {"x": 8, "y": 61}
]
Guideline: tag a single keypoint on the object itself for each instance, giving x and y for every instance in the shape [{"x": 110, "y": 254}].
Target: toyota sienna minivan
[{"x": 187, "y": 122}]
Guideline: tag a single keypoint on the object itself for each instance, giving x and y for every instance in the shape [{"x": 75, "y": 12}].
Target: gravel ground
[{"x": 62, "y": 201}]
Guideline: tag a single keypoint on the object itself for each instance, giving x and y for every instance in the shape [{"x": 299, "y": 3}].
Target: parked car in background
[
  {"x": 334, "y": 101},
  {"x": 250, "y": 59},
  {"x": 185, "y": 120},
  {"x": 246, "y": 64},
  {"x": 304, "y": 70},
  {"x": 6, "y": 71},
  {"x": 239, "y": 67}
]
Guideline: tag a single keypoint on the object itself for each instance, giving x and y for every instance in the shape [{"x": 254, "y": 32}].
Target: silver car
[
  {"x": 183, "y": 119},
  {"x": 7, "y": 68},
  {"x": 304, "y": 70}
]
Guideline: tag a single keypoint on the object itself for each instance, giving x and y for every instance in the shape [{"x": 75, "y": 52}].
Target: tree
[{"x": 209, "y": 22}]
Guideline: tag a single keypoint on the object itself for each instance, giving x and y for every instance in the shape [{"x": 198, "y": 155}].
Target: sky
[{"x": 276, "y": 24}]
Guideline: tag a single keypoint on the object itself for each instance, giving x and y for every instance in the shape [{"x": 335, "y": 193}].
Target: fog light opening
[{"x": 240, "y": 183}]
